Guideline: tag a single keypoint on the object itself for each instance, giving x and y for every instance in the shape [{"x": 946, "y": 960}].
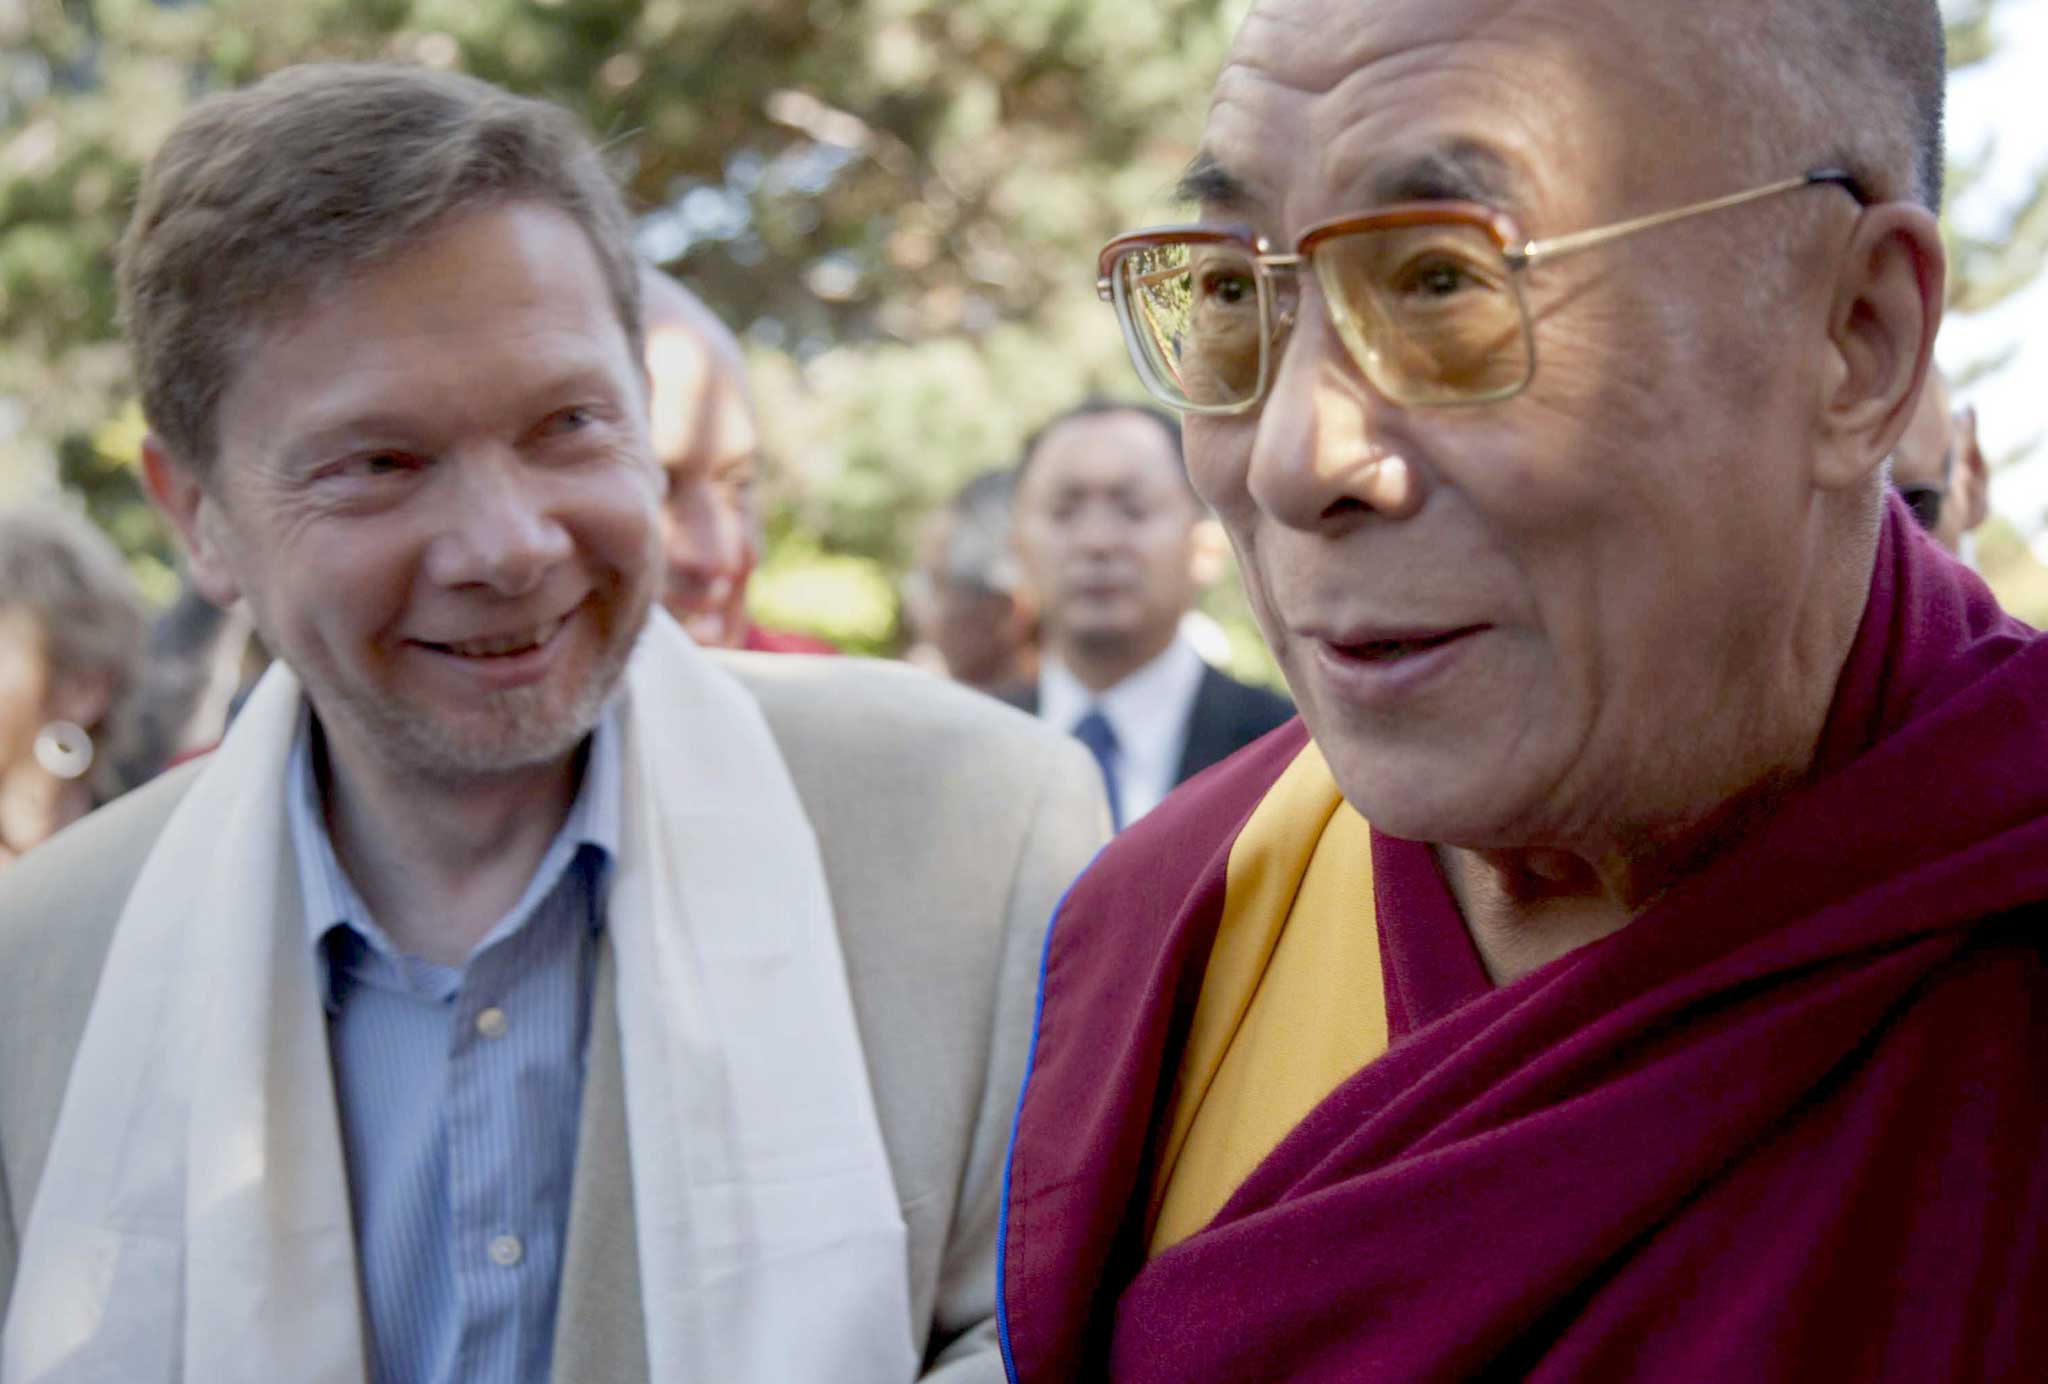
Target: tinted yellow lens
[
  {"x": 1430, "y": 313},
  {"x": 1191, "y": 312}
]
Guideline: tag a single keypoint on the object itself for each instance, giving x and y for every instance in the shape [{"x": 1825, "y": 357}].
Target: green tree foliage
[
  {"x": 1988, "y": 268},
  {"x": 897, "y": 202}
]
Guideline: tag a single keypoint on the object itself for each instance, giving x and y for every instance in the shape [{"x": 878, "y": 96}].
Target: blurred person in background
[
  {"x": 709, "y": 446},
  {"x": 1938, "y": 468},
  {"x": 202, "y": 661},
  {"x": 71, "y": 657},
  {"x": 966, "y": 599},
  {"x": 1107, "y": 527}
]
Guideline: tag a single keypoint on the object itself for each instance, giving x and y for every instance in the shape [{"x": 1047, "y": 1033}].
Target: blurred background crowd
[{"x": 895, "y": 207}]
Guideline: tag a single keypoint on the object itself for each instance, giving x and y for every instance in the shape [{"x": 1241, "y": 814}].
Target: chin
[
  {"x": 1444, "y": 795},
  {"x": 516, "y": 734},
  {"x": 1106, "y": 637},
  {"x": 512, "y": 731},
  {"x": 710, "y": 629}
]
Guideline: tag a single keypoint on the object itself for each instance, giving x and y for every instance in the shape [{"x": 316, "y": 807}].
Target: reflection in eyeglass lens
[
  {"x": 1195, "y": 311},
  {"x": 1429, "y": 311}
]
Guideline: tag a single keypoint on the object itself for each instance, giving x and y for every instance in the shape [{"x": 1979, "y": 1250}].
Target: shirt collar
[
  {"x": 1150, "y": 705},
  {"x": 329, "y": 900}
]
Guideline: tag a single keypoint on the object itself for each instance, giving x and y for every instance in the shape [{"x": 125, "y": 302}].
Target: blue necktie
[{"x": 1094, "y": 731}]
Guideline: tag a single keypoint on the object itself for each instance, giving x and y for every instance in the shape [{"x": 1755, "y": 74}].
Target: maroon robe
[{"x": 1791, "y": 1123}]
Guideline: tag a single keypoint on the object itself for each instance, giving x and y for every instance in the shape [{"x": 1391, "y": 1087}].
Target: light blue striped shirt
[{"x": 460, "y": 1093}]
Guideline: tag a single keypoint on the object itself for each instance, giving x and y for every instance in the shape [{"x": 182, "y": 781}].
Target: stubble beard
[{"x": 522, "y": 728}]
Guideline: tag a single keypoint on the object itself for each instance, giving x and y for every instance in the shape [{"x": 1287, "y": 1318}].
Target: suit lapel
[
  {"x": 1208, "y": 737},
  {"x": 600, "y": 1331},
  {"x": 1022, "y": 695}
]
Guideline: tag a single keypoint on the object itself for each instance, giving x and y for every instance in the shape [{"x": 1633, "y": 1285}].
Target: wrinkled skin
[{"x": 1654, "y": 558}]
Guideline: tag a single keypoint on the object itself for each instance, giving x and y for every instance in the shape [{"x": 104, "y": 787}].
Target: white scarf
[{"x": 193, "y": 1216}]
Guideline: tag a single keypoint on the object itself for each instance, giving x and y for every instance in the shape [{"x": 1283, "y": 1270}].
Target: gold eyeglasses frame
[{"x": 1518, "y": 254}]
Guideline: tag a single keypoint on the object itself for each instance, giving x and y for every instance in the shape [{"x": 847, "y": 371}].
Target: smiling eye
[
  {"x": 383, "y": 464},
  {"x": 568, "y": 420}
]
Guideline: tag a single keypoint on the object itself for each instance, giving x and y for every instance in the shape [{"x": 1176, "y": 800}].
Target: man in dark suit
[{"x": 1106, "y": 527}]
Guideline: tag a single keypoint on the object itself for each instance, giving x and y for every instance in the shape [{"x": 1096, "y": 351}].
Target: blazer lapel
[
  {"x": 1208, "y": 727},
  {"x": 1022, "y": 695},
  {"x": 600, "y": 1331}
]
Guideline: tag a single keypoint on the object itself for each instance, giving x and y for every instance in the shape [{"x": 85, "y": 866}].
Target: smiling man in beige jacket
[{"x": 518, "y": 990}]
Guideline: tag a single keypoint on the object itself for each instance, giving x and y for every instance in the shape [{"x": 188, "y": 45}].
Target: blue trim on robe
[{"x": 1017, "y": 1118}]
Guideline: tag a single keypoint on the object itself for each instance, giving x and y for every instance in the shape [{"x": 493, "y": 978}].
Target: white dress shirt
[{"x": 1149, "y": 712}]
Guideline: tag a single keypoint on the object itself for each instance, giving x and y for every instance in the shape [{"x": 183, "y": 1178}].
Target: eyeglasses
[
  {"x": 1925, "y": 499},
  {"x": 1925, "y": 502},
  {"x": 1426, "y": 296}
]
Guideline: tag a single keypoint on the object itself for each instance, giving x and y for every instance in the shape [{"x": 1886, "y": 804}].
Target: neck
[
  {"x": 439, "y": 862},
  {"x": 1527, "y": 907},
  {"x": 1743, "y": 749},
  {"x": 1099, "y": 665},
  {"x": 35, "y": 805}
]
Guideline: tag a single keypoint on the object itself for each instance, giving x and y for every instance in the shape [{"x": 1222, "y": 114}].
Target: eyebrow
[
  {"x": 1460, "y": 170},
  {"x": 1209, "y": 183}
]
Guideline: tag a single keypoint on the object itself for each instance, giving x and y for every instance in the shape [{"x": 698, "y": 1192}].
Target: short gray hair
[
  {"x": 977, "y": 549},
  {"x": 1868, "y": 79},
  {"x": 68, "y": 576}
]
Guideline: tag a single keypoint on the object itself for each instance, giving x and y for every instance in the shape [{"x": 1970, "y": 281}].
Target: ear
[
  {"x": 1975, "y": 484},
  {"x": 1018, "y": 544},
  {"x": 195, "y": 513},
  {"x": 82, "y": 698},
  {"x": 1881, "y": 325},
  {"x": 1208, "y": 553},
  {"x": 1024, "y": 612}
]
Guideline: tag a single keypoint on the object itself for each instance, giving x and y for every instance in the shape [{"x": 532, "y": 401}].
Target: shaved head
[
  {"x": 1861, "y": 82},
  {"x": 666, "y": 305}
]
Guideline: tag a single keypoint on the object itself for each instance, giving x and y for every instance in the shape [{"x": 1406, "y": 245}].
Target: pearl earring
[{"x": 64, "y": 749}]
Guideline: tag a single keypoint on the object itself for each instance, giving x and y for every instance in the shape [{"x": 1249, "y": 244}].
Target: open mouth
[
  {"x": 1394, "y": 650},
  {"x": 503, "y": 645}
]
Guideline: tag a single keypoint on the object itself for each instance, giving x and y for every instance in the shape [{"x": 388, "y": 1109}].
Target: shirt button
[
  {"x": 492, "y": 1022},
  {"x": 506, "y": 1251}
]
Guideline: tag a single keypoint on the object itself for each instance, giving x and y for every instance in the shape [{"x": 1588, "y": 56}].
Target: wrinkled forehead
[{"x": 1332, "y": 106}]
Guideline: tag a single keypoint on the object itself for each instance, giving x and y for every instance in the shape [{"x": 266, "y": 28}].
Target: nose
[
  {"x": 499, "y": 529},
  {"x": 1324, "y": 454},
  {"x": 1097, "y": 530}
]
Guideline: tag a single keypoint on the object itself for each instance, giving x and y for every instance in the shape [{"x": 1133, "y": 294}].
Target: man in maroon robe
[{"x": 1542, "y": 360}]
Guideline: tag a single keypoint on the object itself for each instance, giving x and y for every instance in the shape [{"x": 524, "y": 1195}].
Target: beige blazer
[{"x": 949, "y": 826}]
